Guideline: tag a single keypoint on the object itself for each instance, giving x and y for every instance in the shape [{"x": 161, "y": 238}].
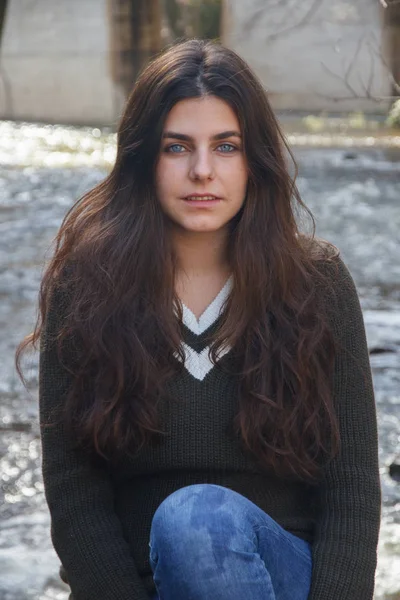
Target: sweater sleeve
[
  {"x": 85, "y": 530},
  {"x": 346, "y": 536}
]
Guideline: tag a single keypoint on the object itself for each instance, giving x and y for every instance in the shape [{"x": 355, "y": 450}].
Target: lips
[
  {"x": 200, "y": 201},
  {"x": 201, "y": 198}
]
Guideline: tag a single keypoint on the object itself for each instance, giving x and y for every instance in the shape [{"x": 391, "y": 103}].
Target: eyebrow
[{"x": 187, "y": 138}]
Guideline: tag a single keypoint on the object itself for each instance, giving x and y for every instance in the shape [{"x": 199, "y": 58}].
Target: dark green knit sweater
[{"x": 101, "y": 520}]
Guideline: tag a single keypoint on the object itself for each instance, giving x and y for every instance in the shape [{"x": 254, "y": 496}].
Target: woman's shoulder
[
  {"x": 334, "y": 283},
  {"x": 326, "y": 261},
  {"x": 56, "y": 292}
]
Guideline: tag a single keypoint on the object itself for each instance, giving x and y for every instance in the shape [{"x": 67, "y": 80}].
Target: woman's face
[{"x": 201, "y": 171}]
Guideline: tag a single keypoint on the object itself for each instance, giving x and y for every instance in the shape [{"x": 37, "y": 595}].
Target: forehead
[{"x": 207, "y": 115}]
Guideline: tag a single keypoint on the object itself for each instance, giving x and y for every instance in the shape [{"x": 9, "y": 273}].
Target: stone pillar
[
  {"x": 392, "y": 29},
  {"x": 135, "y": 32},
  {"x": 3, "y": 6}
]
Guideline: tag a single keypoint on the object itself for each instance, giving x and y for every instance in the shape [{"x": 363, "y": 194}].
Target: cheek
[
  {"x": 167, "y": 179},
  {"x": 162, "y": 182},
  {"x": 238, "y": 184},
  {"x": 235, "y": 174}
]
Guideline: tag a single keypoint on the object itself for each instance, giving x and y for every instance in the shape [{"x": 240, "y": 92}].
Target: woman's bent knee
[
  {"x": 177, "y": 514},
  {"x": 197, "y": 517},
  {"x": 194, "y": 506}
]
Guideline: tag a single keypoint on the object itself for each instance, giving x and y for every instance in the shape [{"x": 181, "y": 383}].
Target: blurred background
[{"x": 332, "y": 72}]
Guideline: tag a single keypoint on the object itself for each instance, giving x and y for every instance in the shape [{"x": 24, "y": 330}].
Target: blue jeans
[{"x": 207, "y": 541}]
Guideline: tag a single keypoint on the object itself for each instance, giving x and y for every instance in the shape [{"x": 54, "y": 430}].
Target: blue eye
[
  {"x": 172, "y": 148},
  {"x": 178, "y": 148},
  {"x": 228, "y": 148}
]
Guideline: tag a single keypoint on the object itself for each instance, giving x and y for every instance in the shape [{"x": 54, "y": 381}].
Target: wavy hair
[{"x": 113, "y": 259}]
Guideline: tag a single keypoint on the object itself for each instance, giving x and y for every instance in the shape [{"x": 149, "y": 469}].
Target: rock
[
  {"x": 349, "y": 155},
  {"x": 382, "y": 349},
  {"x": 394, "y": 470}
]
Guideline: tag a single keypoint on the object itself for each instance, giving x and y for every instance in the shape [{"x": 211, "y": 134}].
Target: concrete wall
[
  {"x": 303, "y": 51},
  {"x": 56, "y": 55},
  {"x": 55, "y": 62}
]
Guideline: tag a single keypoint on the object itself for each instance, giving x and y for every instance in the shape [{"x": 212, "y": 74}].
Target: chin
[
  {"x": 205, "y": 224},
  {"x": 202, "y": 224},
  {"x": 204, "y": 228}
]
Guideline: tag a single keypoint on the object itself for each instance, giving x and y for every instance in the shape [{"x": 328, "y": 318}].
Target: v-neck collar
[{"x": 210, "y": 314}]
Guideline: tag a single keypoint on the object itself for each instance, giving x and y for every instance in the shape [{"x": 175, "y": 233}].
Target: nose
[{"x": 202, "y": 167}]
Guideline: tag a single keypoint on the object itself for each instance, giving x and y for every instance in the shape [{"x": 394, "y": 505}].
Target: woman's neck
[
  {"x": 201, "y": 254},
  {"x": 202, "y": 269}
]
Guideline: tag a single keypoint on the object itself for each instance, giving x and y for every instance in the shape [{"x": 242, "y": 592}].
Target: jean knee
[
  {"x": 172, "y": 531},
  {"x": 175, "y": 512},
  {"x": 207, "y": 508}
]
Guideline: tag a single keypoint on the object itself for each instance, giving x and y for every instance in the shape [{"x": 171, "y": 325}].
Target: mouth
[{"x": 202, "y": 199}]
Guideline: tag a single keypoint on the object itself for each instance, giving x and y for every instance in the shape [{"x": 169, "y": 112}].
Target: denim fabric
[{"x": 208, "y": 541}]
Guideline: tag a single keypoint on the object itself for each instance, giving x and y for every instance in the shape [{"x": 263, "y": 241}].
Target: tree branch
[
  {"x": 349, "y": 69},
  {"x": 311, "y": 11},
  {"x": 258, "y": 14},
  {"x": 354, "y": 84}
]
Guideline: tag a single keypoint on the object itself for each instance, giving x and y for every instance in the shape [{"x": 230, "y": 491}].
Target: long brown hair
[{"x": 111, "y": 282}]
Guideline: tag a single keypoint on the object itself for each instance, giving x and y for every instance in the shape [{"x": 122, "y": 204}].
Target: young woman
[{"x": 206, "y": 405}]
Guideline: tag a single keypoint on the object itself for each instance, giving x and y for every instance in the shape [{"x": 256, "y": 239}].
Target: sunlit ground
[{"x": 24, "y": 144}]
